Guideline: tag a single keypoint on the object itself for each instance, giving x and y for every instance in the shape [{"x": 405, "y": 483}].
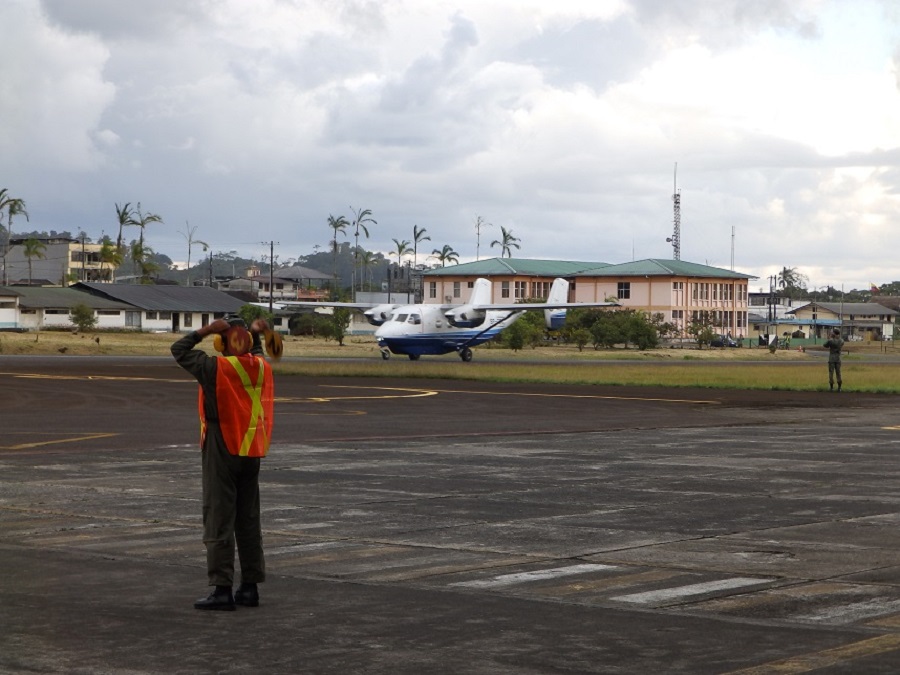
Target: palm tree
[
  {"x": 14, "y": 207},
  {"x": 401, "y": 250},
  {"x": 142, "y": 257},
  {"x": 109, "y": 255},
  {"x": 445, "y": 255},
  {"x": 125, "y": 216},
  {"x": 188, "y": 234},
  {"x": 366, "y": 259},
  {"x": 418, "y": 235},
  {"x": 145, "y": 219},
  {"x": 34, "y": 248},
  {"x": 362, "y": 216},
  {"x": 507, "y": 242},
  {"x": 339, "y": 225}
]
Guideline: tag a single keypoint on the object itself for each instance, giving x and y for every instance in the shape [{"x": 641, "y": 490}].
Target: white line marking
[
  {"x": 651, "y": 597},
  {"x": 537, "y": 575},
  {"x": 856, "y": 611}
]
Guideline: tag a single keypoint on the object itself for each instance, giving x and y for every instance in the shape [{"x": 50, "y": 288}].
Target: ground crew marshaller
[
  {"x": 834, "y": 345},
  {"x": 236, "y": 408}
]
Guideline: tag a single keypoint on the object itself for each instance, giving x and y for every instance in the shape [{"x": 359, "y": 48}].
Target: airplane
[{"x": 435, "y": 329}]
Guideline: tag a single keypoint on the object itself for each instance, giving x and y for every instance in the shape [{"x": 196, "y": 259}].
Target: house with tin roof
[
  {"x": 857, "y": 320},
  {"x": 166, "y": 308},
  {"x": 37, "y": 308},
  {"x": 678, "y": 290}
]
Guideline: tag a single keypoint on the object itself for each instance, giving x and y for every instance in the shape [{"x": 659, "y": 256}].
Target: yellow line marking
[
  {"x": 73, "y": 439},
  {"x": 826, "y": 658},
  {"x": 42, "y": 376},
  {"x": 896, "y": 428}
]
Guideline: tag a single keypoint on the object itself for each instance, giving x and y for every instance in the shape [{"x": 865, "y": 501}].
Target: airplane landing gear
[
  {"x": 414, "y": 357},
  {"x": 465, "y": 354},
  {"x": 385, "y": 354}
]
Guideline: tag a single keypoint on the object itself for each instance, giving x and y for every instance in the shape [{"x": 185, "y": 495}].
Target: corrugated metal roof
[
  {"x": 654, "y": 267},
  {"x": 847, "y": 308},
  {"x": 514, "y": 266},
  {"x": 166, "y": 298},
  {"x": 297, "y": 272},
  {"x": 34, "y": 297}
]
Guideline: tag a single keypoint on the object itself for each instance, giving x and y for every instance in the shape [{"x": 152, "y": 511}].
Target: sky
[{"x": 563, "y": 121}]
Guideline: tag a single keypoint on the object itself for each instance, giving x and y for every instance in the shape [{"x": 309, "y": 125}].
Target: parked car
[{"x": 723, "y": 341}]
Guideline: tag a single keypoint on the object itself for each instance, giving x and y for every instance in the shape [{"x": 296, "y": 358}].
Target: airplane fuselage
[{"x": 415, "y": 330}]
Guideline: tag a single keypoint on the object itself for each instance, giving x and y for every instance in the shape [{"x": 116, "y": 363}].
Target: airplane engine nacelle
[
  {"x": 378, "y": 314},
  {"x": 465, "y": 316}
]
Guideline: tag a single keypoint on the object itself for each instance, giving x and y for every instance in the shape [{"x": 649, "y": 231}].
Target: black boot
[
  {"x": 247, "y": 595},
  {"x": 220, "y": 598}
]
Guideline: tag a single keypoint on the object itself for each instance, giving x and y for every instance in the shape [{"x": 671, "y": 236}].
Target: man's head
[
  {"x": 236, "y": 341},
  {"x": 836, "y": 332}
]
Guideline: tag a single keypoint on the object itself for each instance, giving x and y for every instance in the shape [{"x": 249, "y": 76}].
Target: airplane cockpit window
[
  {"x": 415, "y": 318},
  {"x": 401, "y": 318}
]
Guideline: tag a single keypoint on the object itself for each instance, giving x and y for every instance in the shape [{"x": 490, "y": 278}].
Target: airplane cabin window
[
  {"x": 401, "y": 318},
  {"x": 414, "y": 318}
]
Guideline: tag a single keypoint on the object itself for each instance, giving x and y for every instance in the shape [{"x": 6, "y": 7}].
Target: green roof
[
  {"x": 515, "y": 266},
  {"x": 654, "y": 267}
]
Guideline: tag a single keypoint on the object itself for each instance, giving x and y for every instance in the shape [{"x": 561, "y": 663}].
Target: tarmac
[{"x": 422, "y": 526}]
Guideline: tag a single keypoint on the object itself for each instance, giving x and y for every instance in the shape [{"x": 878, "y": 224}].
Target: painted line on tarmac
[
  {"x": 44, "y": 376},
  {"x": 71, "y": 439},
  {"x": 407, "y": 393},
  {"x": 826, "y": 658},
  {"x": 614, "y": 398},
  {"x": 535, "y": 575},
  {"x": 679, "y": 592}
]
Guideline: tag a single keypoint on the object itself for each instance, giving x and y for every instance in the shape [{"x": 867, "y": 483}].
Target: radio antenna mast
[{"x": 675, "y": 239}]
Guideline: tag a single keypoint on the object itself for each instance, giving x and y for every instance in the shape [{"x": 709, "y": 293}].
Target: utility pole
[{"x": 271, "y": 273}]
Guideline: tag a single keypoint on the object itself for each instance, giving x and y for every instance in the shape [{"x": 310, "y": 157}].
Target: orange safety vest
[{"x": 245, "y": 395}]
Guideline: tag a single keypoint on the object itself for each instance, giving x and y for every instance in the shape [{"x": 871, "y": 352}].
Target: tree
[
  {"x": 339, "y": 226},
  {"x": 445, "y": 255},
  {"x": 82, "y": 317},
  {"x": 145, "y": 219},
  {"x": 250, "y": 313},
  {"x": 361, "y": 217},
  {"x": 507, "y": 242},
  {"x": 340, "y": 322},
  {"x": 418, "y": 235},
  {"x": 401, "y": 250},
  {"x": 188, "y": 234},
  {"x": 792, "y": 281},
  {"x": 125, "y": 217},
  {"x": 14, "y": 207},
  {"x": 366, "y": 259},
  {"x": 109, "y": 254},
  {"x": 34, "y": 248},
  {"x": 142, "y": 258}
]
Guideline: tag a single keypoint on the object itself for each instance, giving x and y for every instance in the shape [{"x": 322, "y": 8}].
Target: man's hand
[
  {"x": 217, "y": 326},
  {"x": 259, "y": 326}
]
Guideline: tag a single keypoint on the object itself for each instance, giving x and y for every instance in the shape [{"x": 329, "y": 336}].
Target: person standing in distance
[
  {"x": 834, "y": 345},
  {"x": 236, "y": 413}
]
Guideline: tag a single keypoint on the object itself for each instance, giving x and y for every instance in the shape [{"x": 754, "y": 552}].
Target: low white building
[{"x": 38, "y": 308}]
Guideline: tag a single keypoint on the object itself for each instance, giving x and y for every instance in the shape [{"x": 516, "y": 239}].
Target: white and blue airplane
[{"x": 415, "y": 330}]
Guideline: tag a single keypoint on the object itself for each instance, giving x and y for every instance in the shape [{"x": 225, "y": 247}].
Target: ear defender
[
  {"x": 274, "y": 344},
  {"x": 218, "y": 343}
]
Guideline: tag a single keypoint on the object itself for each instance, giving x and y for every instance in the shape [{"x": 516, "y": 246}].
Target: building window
[
  {"x": 624, "y": 290},
  {"x": 188, "y": 320},
  {"x": 677, "y": 285},
  {"x": 152, "y": 315},
  {"x": 520, "y": 289},
  {"x": 455, "y": 289},
  {"x": 432, "y": 289},
  {"x": 540, "y": 289},
  {"x": 108, "y": 312},
  {"x": 504, "y": 289}
]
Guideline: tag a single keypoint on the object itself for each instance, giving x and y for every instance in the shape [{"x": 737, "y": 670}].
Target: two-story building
[
  {"x": 680, "y": 291},
  {"x": 62, "y": 260},
  {"x": 857, "y": 320}
]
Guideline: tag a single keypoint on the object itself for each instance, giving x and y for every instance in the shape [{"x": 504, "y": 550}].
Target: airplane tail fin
[
  {"x": 481, "y": 292},
  {"x": 559, "y": 292}
]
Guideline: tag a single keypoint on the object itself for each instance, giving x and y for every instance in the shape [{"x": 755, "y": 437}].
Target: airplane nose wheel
[
  {"x": 413, "y": 357},
  {"x": 385, "y": 354},
  {"x": 465, "y": 354}
]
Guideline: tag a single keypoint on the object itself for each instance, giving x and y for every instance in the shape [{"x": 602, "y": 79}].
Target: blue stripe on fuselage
[{"x": 436, "y": 343}]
